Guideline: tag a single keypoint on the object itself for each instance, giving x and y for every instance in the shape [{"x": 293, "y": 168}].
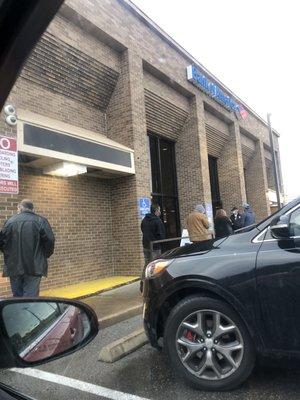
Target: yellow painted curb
[{"x": 84, "y": 289}]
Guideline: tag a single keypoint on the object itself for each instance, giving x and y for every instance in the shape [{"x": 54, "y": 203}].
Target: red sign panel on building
[{"x": 8, "y": 166}]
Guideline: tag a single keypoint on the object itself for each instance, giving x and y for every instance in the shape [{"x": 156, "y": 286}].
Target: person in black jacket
[
  {"x": 27, "y": 241},
  {"x": 153, "y": 229},
  {"x": 223, "y": 225},
  {"x": 237, "y": 218}
]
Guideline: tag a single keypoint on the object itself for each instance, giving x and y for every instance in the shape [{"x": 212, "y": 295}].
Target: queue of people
[{"x": 197, "y": 225}]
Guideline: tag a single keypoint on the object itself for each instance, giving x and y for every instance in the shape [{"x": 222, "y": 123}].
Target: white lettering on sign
[{"x": 9, "y": 182}]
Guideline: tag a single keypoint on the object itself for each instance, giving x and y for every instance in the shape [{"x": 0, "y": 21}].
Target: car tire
[{"x": 191, "y": 307}]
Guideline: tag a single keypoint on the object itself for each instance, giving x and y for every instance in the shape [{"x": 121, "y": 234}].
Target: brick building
[{"x": 108, "y": 91}]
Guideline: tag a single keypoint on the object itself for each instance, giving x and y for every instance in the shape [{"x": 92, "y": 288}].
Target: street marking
[{"x": 76, "y": 384}]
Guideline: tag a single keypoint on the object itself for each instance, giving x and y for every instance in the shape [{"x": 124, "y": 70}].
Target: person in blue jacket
[{"x": 248, "y": 216}]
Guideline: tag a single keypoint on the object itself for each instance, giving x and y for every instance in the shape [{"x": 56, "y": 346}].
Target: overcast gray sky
[{"x": 253, "y": 48}]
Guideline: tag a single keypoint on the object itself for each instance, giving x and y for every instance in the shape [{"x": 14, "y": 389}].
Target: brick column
[
  {"x": 257, "y": 184},
  {"x": 192, "y": 161},
  {"x": 126, "y": 123},
  {"x": 230, "y": 169}
]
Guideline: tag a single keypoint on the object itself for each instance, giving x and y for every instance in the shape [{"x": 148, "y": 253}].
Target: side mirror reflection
[
  {"x": 281, "y": 228},
  {"x": 39, "y": 330}
]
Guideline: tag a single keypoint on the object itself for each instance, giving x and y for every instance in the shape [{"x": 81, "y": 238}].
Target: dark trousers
[{"x": 25, "y": 285}]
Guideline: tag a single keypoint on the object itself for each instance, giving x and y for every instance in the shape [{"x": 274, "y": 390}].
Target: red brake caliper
[{"x": 190, "y": 336}]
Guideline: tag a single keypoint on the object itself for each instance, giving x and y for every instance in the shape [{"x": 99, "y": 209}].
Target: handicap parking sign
[{"x": 144, "y": 206}]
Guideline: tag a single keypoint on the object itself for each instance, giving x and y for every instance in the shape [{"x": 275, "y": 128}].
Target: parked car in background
[
  {"x": 36, "y": 331},
  {"x": 220, "y": 303}
]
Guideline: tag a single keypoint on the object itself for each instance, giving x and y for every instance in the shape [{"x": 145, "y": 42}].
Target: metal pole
[{"x": 274, "y": 162}]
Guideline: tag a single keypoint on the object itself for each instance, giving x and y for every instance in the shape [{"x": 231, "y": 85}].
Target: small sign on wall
[
  {"x": 9, "y": 181},
  {"x": 144, "y": 206},
  {"x": 210, "y": 215}
]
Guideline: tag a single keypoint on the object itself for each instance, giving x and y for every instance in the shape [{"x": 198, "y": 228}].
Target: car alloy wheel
[{"x": 209, "y": 345}]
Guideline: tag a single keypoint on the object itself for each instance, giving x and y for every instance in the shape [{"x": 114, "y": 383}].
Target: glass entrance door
[{"x": 164, "y": 184}]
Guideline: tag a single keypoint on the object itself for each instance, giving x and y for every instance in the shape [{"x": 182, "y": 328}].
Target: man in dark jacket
[
  {"x": 27, "y": 241},
  {"x": 248, "y": 216},
  {"x": 237, "y": 218},
  {"x": 153, "y": 229}
]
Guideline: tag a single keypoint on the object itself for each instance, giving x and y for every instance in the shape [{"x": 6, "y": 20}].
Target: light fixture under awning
[
  {"x": 50, "y": 141},
  {"x": 65, "y": 169}
]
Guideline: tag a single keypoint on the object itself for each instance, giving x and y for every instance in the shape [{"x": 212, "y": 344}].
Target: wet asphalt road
[{"x": 145, "y": 373}]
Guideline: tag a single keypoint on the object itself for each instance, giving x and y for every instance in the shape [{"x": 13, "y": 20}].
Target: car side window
[{"x": 295, "y": 223}]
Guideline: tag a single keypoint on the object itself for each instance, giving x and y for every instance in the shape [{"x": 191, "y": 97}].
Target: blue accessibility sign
[{"x": 144, "y": 206}]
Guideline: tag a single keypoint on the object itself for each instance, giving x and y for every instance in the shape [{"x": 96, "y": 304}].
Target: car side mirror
[
  {"x": 281, "y": 227},
  {"x": 35, "y": 331}
]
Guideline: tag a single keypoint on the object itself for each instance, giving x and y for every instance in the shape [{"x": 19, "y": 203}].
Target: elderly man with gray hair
[
  {"x": 197, "y": 225},
  {"x": 27, "y": 241}
]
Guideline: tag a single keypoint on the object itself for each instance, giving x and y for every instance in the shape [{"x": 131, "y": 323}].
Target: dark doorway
[
  {"x": 214, "y": 183},
  {"x": 164, "y": 184}
]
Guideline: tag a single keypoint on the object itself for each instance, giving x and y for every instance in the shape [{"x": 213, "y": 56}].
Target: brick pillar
[
  {"x": 126, "y": 123},
  {"x": 257, "y": 184},
  {"x": 192, "y": 161},
  {"x": 231, "y": 173}
]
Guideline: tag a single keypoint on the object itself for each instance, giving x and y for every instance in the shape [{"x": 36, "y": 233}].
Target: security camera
[
  {"x": 11, "y": 120},
  {"x": 9, "y": 110}
]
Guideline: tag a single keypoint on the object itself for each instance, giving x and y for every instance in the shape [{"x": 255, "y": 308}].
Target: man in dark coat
[
  {"x": 237, "y": 218},
  {"x": 153, "y": 229},
  {"x": 27, "y": 241}
]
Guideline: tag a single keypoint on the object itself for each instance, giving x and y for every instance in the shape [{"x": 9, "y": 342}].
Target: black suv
[{"x": 215, "y": 305}]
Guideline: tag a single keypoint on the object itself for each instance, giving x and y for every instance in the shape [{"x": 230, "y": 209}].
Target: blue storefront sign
[
  {"x": 197, "y": 78},
  {"x": 144, "y": 206}
]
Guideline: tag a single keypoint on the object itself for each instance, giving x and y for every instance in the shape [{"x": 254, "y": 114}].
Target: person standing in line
[
  {"x": 27, "y": 241},
  {"x": 197, "y": 225},
  {"x": 153, "y": 229},
  {"x": 236, "y": 218},
  {"x": 223, "y": 225},
  {"x": 248, "y": 216}
]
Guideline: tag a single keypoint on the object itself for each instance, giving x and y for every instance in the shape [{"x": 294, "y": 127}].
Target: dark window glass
[
  {"x": 214, "y": 183},
  {"x": 164, "y": 185},
  {"x": 46, "y": 139},
  {"x": 167, "y": 167},
  {"x": 155, "y": 169}
]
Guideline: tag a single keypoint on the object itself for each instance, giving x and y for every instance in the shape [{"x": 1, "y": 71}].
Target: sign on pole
[
  {"x": 9, "y": 182},
  {"x": 144, "y": 206}
]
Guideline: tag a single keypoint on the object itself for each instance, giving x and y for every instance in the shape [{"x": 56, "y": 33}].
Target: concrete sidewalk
[{"x": 116, "y": 305}]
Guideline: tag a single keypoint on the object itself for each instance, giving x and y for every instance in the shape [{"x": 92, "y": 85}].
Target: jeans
[{"x": 25, "y": 285}]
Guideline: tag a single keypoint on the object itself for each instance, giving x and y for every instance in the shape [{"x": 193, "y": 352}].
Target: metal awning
[{"x": 43, "y": 142}]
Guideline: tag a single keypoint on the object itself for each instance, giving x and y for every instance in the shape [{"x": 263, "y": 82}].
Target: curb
[
  {"x": 120, "y": 348},
  {"x": 86, "y": 296},
  {"x": 120, "y": 316}
]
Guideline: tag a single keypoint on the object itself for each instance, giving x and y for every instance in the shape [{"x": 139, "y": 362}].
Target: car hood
[{"x": 194, "y": 248}]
